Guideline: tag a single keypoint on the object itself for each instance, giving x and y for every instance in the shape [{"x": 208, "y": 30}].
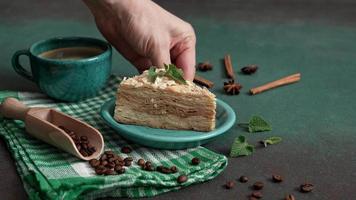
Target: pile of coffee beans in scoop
[{"x": 81, "y": 142}]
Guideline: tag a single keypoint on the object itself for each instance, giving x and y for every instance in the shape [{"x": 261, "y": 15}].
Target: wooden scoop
[{"x": 43, "y": 123}]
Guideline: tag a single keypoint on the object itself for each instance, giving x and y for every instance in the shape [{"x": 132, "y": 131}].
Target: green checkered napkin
[{"x": 49, "y": 173}]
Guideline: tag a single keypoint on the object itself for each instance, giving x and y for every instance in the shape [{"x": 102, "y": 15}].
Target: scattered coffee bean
[
  {"x": 104, "y": 162},
  {"x": 149, "y": 168},
  {"x": 256, "y": 194},
  {"x": 258, "y": 185},
  {"x": 249, "y": 69},
  {"x": 306, "y": 187},
  {"x": 195, "y": 161},
  {"x": 99, "y": 171},
  {"x": 121, "y": 171},
  {"x": 109, "y": 172},
  {"x": 289, "y": 197},
  {"x": 243, "y": 179},
  {"x": 126, "y": 149},
  {"x": 229, "y": 184},
  {"x": 277, "y": 178},
  {"x": 159, "y": 168},
  {"x": 128, "y": 159},
  {"x": 103, "y": 157},
  {"x": 119, "y": 162},
  {"x": 174, "y": 169},
  {"x": 82, "y": 143},
  {"x": 204, "y": 66},
  {"x": 110, "y": 165},
  {"x": 148, "y": 163},
  {"x": 141, "y": 162},
  {"x": 94, "y": 162},
  {"x": 182, "y": 179},
  {"x": 128, "y": 163}
]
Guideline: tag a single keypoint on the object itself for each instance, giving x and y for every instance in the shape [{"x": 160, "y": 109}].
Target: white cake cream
[{"x": 165, "y": 103}]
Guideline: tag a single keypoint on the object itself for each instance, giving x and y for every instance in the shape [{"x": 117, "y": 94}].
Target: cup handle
[{"x": 18, "y": 67}]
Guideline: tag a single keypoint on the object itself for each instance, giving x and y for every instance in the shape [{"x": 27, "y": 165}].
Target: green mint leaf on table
[
  {"x": 240, "y": 147},
  {"x": 174, "y": 73},
  {"x": 271, "y": 140},
  {"x": 257, "y": 124},
  {"x": 152, "y": 74}
]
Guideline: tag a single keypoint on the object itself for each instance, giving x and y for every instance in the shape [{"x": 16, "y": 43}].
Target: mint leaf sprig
[
  {"x": 240, "y": 147},
  {"x": 271, "y": 140},
  {"x": 171, "y": 71},
  {"x": 256, "y": 124}
]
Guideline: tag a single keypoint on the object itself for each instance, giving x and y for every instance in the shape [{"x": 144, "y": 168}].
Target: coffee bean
[
  {"x": 148, "y": 163},
  {"x": 126, "y": 149},
  {"x": 121, "y": 171},
  {"x": 306, "y": 187},
  {"x": 277, "y": 178},
  {"x": 109, "y": 153},
  {"x": 109, "y": 172},
  {"x": 148, "y": 168},
  {"x": 258, "y": 185},
  {"x": 289, "y": 197},
  {"x": 229, "y": 184},
  {"x": 141, "y": 162},
  {"x": 118, "y": 168},
  {"x": 128, "y": 163},
  {"x": 112, "y": 159},
  {"x": 84, "y": 138},
  {"x": 256, "y": 194},
  {"x": 104, "y": 162},
  {"x": 100, "y": 167},
  {"x": 83, "y": 152},
  {"x": 182, "y": 179},
  {"x": 243, "y": 179},
  {"x": 119, "y": 158},
  {"x": 99, "y": 171},
  {"x": 174, "y": 169},
  {"x": 94, "y": 162},
  {"x": 195, "y": 161},
  {"x": 103, "y": 157},
  {"x": 111, "y": 164},
  {"x": 159, "y": 168},
  {"x": 120, "y": 163},
  {"x": 166, "y": 170},
  {"x": 128, "y": 159},
  {"x": 92, "y": 150},
  {"x": 109, "y": 156}
]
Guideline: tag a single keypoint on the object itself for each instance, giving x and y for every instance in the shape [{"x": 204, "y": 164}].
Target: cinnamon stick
[
  {"x": 228, "y": 66},
  {"x": 283, "y": 81},
  {"x": 202, "y": 81}
]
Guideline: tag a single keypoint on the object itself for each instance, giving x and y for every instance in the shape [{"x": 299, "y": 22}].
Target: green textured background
[{"x": 315, "y": 117}]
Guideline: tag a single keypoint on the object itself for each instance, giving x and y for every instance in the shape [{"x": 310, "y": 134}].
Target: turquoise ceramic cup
[{"x": 66, "y": 80}]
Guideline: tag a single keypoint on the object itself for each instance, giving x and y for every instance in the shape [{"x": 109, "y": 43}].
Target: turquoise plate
[{"x": 170, "y": 139}]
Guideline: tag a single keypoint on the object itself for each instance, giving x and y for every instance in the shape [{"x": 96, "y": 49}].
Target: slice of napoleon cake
[{"x": 161, "y": 98}]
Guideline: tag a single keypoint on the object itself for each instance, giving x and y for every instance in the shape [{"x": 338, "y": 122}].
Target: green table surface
[{"x": 316, "y": 117}]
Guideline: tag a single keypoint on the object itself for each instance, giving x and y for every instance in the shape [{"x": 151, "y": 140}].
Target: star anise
[
  {"x": 232, "y": 88},
  {"x": 249, "y": 69},
  {"x": 205, "y": 66}
]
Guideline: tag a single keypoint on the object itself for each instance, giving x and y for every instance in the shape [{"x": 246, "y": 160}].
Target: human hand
[{"x": 146, "y": 34}]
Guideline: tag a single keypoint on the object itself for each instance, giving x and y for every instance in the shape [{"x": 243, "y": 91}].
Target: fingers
[
  {"x": 161, "y": 57},
  {"x": 186, "y": 61}
]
